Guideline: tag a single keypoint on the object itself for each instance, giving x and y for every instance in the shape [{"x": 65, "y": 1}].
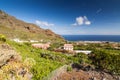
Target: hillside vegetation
[
  {"x": 46, "y": 61},
  {"x": 40, "y": 63},
  {"x": 14, "y": 28}
]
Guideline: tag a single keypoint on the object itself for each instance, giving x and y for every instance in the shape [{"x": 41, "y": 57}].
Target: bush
[
  {"x": 2, "y": 38},
  {"x": 29, "y": 62},
  {"x": 27, "y": 43},
  {"x": 82, "y": 58},
  {"x": 69, "y": 68},
  {"x": 106, "y": 61}
]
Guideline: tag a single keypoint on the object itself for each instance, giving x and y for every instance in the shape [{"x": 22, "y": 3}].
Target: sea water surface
[{"x": 113, "y": 38}]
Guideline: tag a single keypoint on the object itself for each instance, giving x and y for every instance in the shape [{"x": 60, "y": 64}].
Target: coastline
[
  {"x": 93, "y": 41},
  {"x": 92, "y": 38}
]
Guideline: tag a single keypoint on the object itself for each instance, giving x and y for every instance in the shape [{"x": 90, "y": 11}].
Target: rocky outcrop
[
  {"x": 6, "y": 54},
  {"x": 11, "y": 66},
  {"x": 86, "y": 73},
  {"x": 56, "y": 73}
]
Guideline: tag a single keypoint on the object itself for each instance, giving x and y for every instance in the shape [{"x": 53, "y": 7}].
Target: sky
[{"x": 68, "y": 17}]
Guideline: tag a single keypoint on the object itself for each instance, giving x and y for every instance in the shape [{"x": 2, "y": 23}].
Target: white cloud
[
  {"x": 43, "y": 23},
  {"x": 82, "y": 21}
]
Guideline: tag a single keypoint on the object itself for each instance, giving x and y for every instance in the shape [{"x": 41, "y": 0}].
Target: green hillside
[{"x": 14, "y": 28}]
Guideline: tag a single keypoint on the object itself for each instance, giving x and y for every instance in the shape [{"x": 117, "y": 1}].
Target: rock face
[
  {"x": 87, "y": 75},
  {"x": 11, "y": 66},
  {"x": 14, "y": 28},
  {"x": 6, "y": 54}
]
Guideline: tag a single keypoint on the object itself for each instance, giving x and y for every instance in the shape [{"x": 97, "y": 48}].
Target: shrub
[
  {"x": 27, "y": 43},
  {"x": 2, "y": 38},
  {"x": 29, "y": 62},
  {"x": 69, "y": 68},
  {"x": 82, "y": 58},
  {"x": 106, "y": 61}
]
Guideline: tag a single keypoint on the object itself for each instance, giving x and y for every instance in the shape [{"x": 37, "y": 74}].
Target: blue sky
[{"x": 74, "y": 17}]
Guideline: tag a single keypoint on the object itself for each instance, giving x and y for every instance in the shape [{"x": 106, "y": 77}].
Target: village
[
  {"x": 71, "y": 48},
  {"x": 67, "y": 47}
]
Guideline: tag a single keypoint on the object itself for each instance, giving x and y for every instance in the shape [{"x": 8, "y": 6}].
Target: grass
[
  {"x": 27, "y": 35},
  {"x": 46, "y": 61}
]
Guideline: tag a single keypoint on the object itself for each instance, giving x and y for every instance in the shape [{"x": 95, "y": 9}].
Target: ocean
[{"x": 112, "y": 38}]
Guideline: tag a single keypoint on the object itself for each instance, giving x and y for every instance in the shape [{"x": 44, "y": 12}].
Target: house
[
  {"x": 19, "y": 41},
  {"x": 16, "y": 40},
  {"x": 68, "y": 47},
  {"x": 32, "y": 41},
  {"x": 82, "y": 51},
  {"x": 40, "y": 45}
]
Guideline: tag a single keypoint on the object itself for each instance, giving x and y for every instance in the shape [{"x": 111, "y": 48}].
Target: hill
[{"x": 15, "y": 28}]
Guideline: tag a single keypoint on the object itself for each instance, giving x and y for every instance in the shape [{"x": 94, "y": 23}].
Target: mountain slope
[{"x": 14, "y": 28}]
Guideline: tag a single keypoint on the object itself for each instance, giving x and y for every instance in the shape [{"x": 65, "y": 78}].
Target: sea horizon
[{"x": 109, "y": 38}]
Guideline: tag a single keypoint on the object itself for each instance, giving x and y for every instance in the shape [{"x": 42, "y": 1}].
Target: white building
[
  {"x": 32, "y": 41},
  {"x": 18, "y": 40},
  {"x": 68, "y": 47},
  {"x": 83, "y": 51}
]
